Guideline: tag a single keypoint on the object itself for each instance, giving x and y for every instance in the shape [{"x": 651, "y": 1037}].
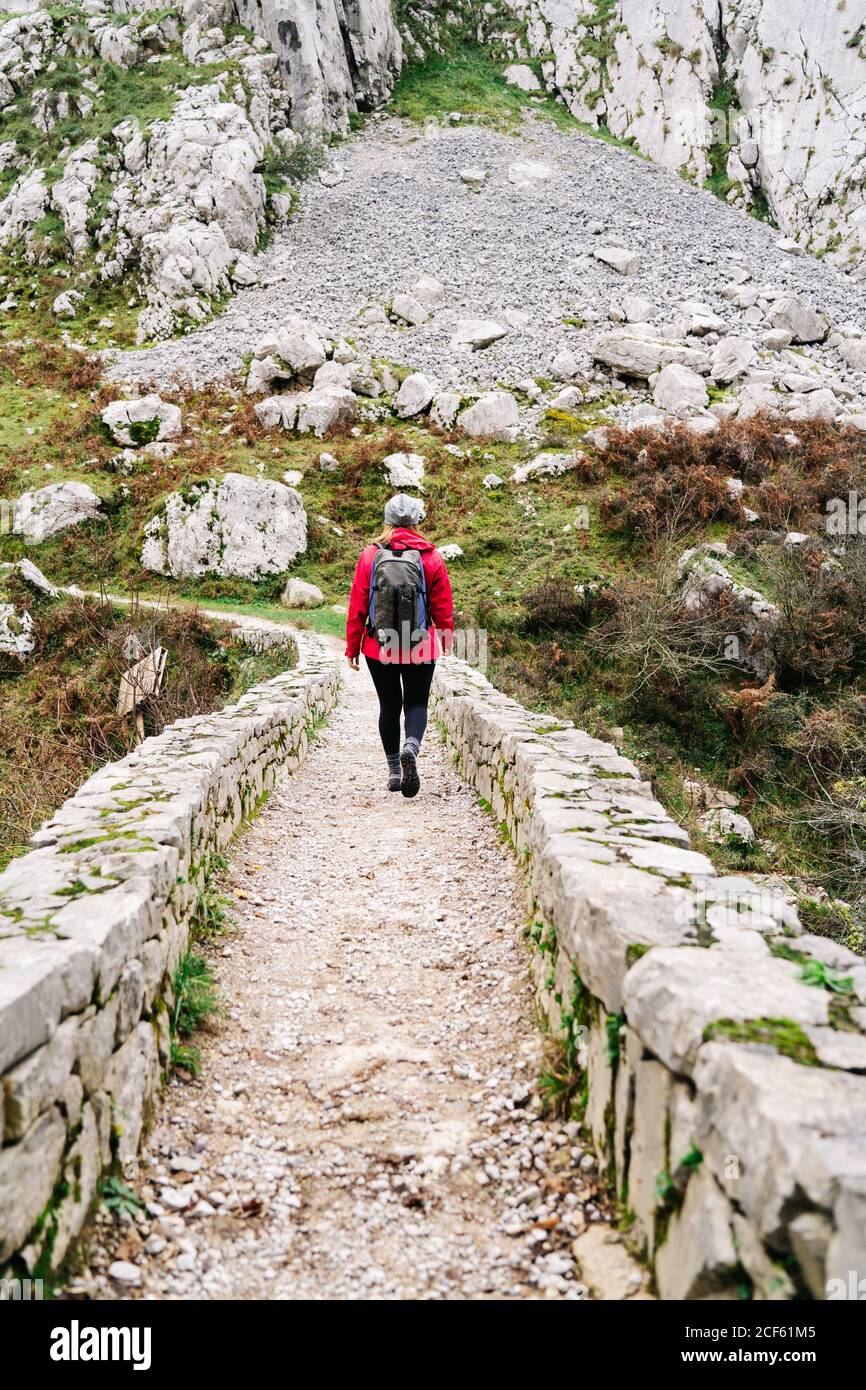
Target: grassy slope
[{"x": 520, "y": 545}]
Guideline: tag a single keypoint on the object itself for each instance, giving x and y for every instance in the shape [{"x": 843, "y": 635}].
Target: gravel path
[
  {"x": 365, "y": 1121},
  {"x": 401, "y": 210}
]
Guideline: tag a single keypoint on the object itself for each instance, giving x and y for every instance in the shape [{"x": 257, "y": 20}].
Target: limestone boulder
[
  {"x": 414, "y": 396},
  {"x": 239, "y": 527},
  {"x": 404, "y": 470},
  {"x": 39, "y": 515},
  {"x": 618, "y": 258},
  {"x": 298, "y": 593},
  {"x": 145, "y": 420},
  {"x": 680, "y": 391},
  {"x": 493, "y": 416},
  {"x": 801, "y": 320}
]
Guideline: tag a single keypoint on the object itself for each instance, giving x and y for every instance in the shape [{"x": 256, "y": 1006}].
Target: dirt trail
[{"x": 365, "y": 1123}]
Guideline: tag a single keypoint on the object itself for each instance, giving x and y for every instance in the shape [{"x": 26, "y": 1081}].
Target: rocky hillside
[
  {"x": 765, "y": 98},
  {"x": 146, "y": 154}
]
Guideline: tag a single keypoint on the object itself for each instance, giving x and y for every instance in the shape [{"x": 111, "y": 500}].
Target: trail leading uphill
[{"x": 365, "y": 1123}]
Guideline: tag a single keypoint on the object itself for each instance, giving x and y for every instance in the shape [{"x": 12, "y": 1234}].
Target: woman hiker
[{"x": 400, "y": 603}]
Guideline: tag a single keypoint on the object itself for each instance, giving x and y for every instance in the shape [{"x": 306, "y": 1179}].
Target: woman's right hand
[{"x": 353, "y": 662}]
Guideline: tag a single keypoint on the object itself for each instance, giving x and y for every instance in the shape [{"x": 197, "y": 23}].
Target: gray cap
[{"x": 403, "y": 511}]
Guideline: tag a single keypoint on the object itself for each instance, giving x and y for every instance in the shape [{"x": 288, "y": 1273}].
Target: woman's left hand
[{"x": 353, "y": 662}]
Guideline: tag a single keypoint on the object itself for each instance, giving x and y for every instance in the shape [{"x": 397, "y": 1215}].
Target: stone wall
[
  {"x": 725, "y": 1094},
  {"x": 92, "y": 925}
]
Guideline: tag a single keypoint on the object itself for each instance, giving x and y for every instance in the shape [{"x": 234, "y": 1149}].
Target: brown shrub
[
  {"x": 556, "y": 606},
  {"x": 791, "y": 472},
  {"x": 59, "y": 707},
  {"x": 820, "y": 635}
]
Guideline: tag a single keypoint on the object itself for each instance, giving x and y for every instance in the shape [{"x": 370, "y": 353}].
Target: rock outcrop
[
  {"x": 241, "y": 527},
  {"x": 767, "y": 97}
]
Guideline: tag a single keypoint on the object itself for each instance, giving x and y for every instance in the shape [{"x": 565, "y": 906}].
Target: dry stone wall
[
  {"x": 92, "y": 925},
  {"x": 724, "y": 1093}
]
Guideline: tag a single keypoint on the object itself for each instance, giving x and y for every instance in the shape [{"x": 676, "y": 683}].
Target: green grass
[
  {"x": 196, "y": 1001},
  {"x": 783, "y": 1034},
  {"x": 515, "y": 541},
  {"x": 470, "y": 81}
]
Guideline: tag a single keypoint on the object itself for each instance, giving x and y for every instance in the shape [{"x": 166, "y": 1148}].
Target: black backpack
[{"x": 398, "y": 612}]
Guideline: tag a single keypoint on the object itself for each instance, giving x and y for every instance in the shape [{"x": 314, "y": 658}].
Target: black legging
[{"x": 401, "y": 686}]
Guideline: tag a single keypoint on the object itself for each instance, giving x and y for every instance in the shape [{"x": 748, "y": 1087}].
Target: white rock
[
  {"x": 545, "y": 465},
  {"x": 618, "y": 258},
  {"x": 633, "y": 355},
  {"x": 474, "y": 178},
  {"x": 334, "y": 374},
  {"x": 702, "y": 424},
  {"x": 414, "y": 396},
  {"x": 853, "y": 351},
  {"x": 521, "y": 75},
  {"x": 32, "y": 575},
  {"x": 148, "y": 419},
  {"x": 805, "y": 324},
  {"x": 444, "y": 409},
  {"x": 452, "y": 551},
  {"x": 568, "y": 399},
  {"x": 731, "y": 357},
  {"x": 814, "y": 405},
  {"x": 66, "y": 304},
  {"x": 320, "y": 410},
  {"x": 680, "y": 391},
  {"x": 373, "y": 313},
  {"x": 299, "y": 594},
  {"x": 344, "y": 353},
  {"x": 428, "y": 290},
  {"x": 491, "y": 481},
  {"x": 122, "y": 1272},
  {"x": 240, "y": 527},
  {"x": 404, "y": 470},
  {"x": 49, "y": 510},
  {"x": 494, "y": 415},
  {"x": 529, "y": 174},
  {"x": 409, "y": 309},
  {"x": 475, "y": 334},
  {"x": 244, "y": 272},
  {"x": 637, "y": 309},
  {"x": 277, "y": 412},
  {"x": 720, "y": 822},
  {"x": 564, "y": 366},
  {"x": 16, "y": 632}
]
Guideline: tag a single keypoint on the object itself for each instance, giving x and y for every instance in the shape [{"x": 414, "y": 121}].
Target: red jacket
[{"x": 439, "y": 600}]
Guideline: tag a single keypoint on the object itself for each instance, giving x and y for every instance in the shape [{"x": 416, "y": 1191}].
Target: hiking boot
[
  {"x": 394, "y": 781},
  {"x": 411, "y": 783}
]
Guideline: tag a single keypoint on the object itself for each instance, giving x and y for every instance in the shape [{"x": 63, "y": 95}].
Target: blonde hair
[{"x": 385, "y": 535}]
